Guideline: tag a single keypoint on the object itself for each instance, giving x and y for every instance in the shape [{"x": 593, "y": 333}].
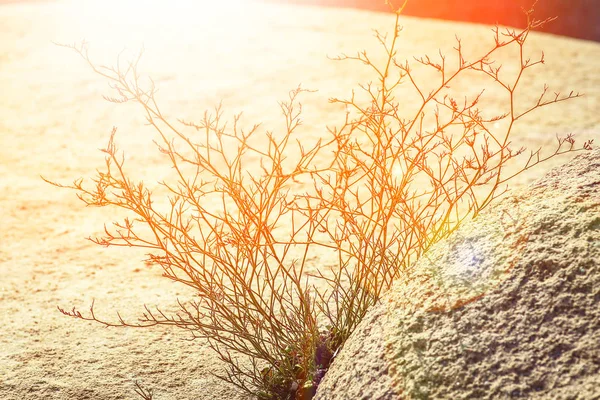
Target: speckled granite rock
[{"x": 508, "y": 307}]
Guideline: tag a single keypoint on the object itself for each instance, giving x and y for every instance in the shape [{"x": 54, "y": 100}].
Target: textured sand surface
[
  {"x": 53, "y": 119},
  {"x": 508, "y": 307}
]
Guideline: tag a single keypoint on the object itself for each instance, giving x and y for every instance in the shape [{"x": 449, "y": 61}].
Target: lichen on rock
[{"x": 508, "y": 307}]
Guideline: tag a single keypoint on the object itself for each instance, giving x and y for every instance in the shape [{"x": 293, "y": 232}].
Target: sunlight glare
[{"x": 156, "y": 17}]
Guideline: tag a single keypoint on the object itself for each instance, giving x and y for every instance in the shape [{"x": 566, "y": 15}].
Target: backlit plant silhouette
[{"x": 247, "y": 210}]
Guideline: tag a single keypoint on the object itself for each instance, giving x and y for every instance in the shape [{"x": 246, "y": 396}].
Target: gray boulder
[{"x": 508, "y": 307}]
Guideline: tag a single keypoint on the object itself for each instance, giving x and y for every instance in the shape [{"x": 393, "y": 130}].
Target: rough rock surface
[{"x": 508, "y": 307}]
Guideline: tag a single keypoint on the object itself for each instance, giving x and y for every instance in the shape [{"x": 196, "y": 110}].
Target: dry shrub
[{"x": 377, "y": 192}]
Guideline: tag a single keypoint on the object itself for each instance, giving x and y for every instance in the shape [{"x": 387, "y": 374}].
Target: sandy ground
[{"x": 53, "y": 118}]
